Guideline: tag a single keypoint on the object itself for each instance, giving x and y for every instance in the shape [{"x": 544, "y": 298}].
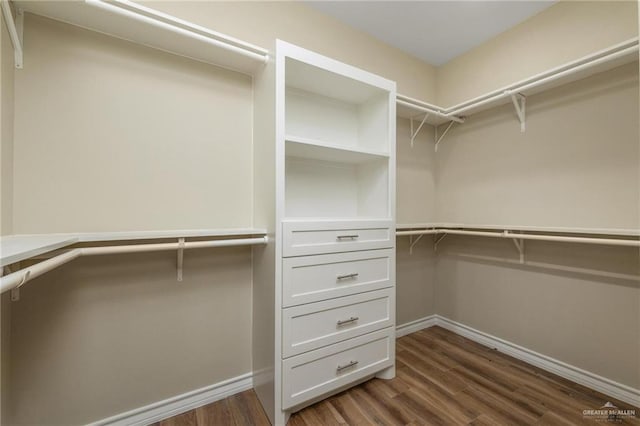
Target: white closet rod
[
  {"x": 426, "y": 108},
  {"x": 598, "y": 58},
  {"x": 508, "y": 234},
  {"x": 170, "y": 23},
  {"x": 18, "y": 278}
]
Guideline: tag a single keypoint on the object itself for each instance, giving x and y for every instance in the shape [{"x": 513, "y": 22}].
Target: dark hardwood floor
[{"x": 442, "y": 379}]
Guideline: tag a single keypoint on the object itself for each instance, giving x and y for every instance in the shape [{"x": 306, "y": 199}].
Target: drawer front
[
  {"x": 305, "y": 238},
  {"x": 309, "y": 279},
  {"x": 321, "y": 371},
  {"x": 319, "y": 324}
]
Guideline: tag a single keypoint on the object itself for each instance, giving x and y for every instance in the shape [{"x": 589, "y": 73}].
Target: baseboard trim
[
  {"x": 417, "y": 325},
  {"x": 179, "y": 404},
  {"x": 593, "y": 381},
  {"x": 190, "y": 400}
]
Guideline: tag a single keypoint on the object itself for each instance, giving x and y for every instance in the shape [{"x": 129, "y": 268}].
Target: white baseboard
[
  {"x": 188, "y": 401},
  {"x": 593, "y": 381},
  {"x": 417, "y": 325},
  {"x": 181, "y": 403}
]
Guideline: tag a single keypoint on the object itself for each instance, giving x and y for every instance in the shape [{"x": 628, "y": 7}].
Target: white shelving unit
[
  {"x": 324, "y": 288},
  {"x": 143, "y": 25}
]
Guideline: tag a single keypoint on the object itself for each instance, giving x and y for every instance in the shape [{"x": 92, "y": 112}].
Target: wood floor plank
[
  {"x": 349, "y": 409},
  {"x": 216, "y": 413},
  {"x": 246, "y": 410},
  {"x": 184, "y": 419},
  {"x": 441, "y": 379}
]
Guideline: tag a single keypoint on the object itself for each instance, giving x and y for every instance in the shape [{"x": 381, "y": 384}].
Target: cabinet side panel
[{"x": 264, "y": 261}]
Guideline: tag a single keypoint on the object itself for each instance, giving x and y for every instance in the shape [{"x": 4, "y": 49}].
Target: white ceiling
[{"x": 434, "y": 31}]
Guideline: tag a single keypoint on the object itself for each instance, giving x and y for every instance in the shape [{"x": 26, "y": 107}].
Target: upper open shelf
[{"x": 140, "y": 24}]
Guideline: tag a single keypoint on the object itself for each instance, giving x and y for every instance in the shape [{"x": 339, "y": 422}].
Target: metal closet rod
[
  {"x": 541, "y": 237},
  {"x": 18, "y": 278}
]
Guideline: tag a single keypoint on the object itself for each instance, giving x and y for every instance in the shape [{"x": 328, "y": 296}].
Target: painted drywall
[
  {"x": 564, "y": 32},
  {"x": 415, "y": 175},
  {"x": 415, "y": 280},
  {"x": 7, "y": 67},
  {"x": 575, "y": 166},
  {"x": 575, "y": 303},
  {"x": 104, "y": 335},
  {"x": 6, "y": 200},
  {"x": 128, "y": 138},
  {"x": 262, "y": 22}
]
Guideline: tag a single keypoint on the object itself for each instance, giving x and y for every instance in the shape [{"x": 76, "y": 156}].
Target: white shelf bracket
[
  {"x": 439, "y": 139},
  {"x": 180, "y": 257},
  {"x": 414, "y": 134},
  {"x": 520, "y": 103},
  {"x": 438, "y": 241},
  {"x": 14, "y": 27},
  {"x": 15, "y": 292},
  {"x": 518, "y": 242},
  {"x": 413, "y": 242}
]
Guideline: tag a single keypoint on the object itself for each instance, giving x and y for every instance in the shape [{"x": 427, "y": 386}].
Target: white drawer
[
  {"x": 321, "y": 371},
  {"x": 308, "y": 279},
  {"x": 304, "y": 238},
  {"x": 319, "y": 324}
]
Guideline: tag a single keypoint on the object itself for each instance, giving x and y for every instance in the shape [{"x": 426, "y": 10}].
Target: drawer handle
[
  {"x": 344, "y": 367},
  {"x": 347, "y": 237},
  {"x": 346, "y": 277},
  {"x": 347, "y": 321}
]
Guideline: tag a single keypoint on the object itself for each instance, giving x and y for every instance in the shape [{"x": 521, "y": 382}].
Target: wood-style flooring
[{"x": 442, "y": 379}]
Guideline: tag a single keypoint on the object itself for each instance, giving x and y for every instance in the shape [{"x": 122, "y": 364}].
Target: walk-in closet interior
[{"x": 319, "y": 212}]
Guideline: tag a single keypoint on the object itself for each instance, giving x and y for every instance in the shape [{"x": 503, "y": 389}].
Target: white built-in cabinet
[{"x": 324, "y": 176}]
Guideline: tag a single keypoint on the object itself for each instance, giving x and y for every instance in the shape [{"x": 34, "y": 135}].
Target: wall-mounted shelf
[
  {"x": 518, "y": 234},
  {"x": 516, "y": 93},
  {"x": 15, "y": 248},
  {"x": 21, "y": 247},
  {"x": 142, "y": 25}
]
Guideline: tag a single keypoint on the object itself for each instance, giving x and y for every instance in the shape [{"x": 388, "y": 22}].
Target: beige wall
[
  {"x": 127, "y": 138},
  {"x": 104, "y": 335},
  {"x": 575, "y": 166},
  {"x": 6, "y": 198},
  {"x": 564, "y": 32},
  {"x": 6, "y": 131},
  {"x": 415, "y": 175},
  {"x": 263, "y": 21},
  {"x": 569, "y": 302}
]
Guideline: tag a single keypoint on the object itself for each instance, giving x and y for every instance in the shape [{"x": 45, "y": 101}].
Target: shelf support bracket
[
  {"x": 438, "y": 241},
  {"x": 180, "y": 257},
  {"x": 413, "y": 242},
  {"x": 14, "y": 27},
  {"x": 414, "y": 134},
  {"x": 518, "y": 242},
  {"x": 439, "y": 139},
  {"x": 15, "y": 292},
  {"x": 520, "y": 103}
]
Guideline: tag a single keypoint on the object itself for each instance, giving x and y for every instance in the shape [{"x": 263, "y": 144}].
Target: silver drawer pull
[
  {"x": 344, "y": 367},
  {"x": 347, "y": 321},
  {"x": 347, "y": 237},
  {"x": 346, "y": 277}
]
